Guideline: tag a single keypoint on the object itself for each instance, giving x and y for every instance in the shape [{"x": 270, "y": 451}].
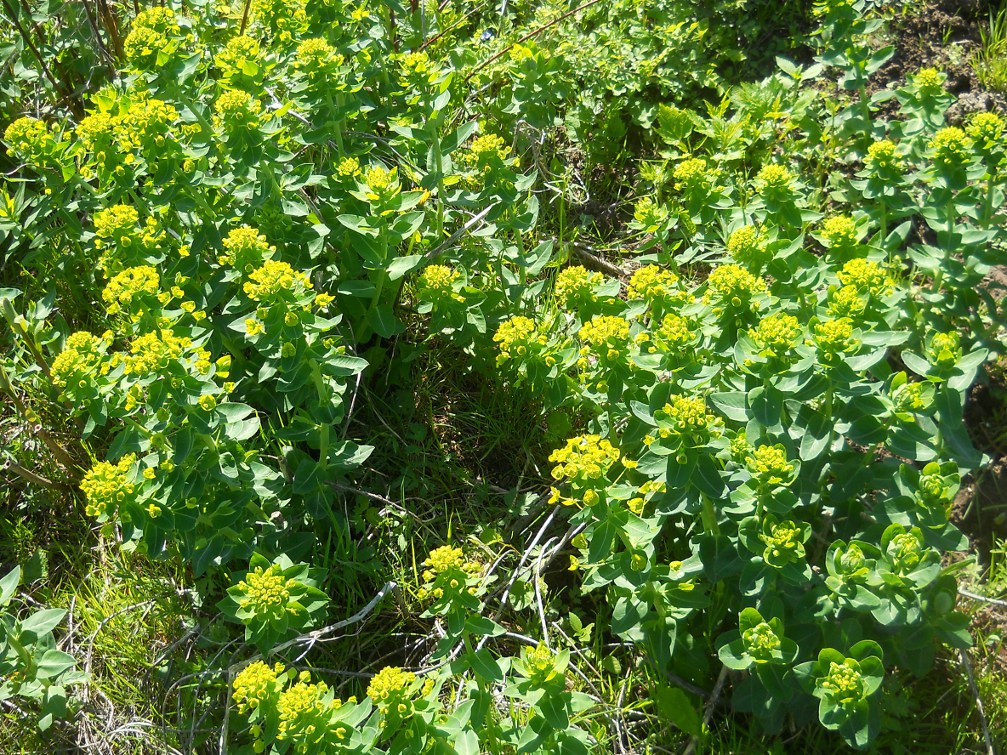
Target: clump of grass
[{"x": 990, "y": 61}]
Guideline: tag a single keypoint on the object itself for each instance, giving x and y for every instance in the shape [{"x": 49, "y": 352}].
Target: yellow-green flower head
[
  {"x": 933, "y": 490},
  {"x": 944, "y": 349},
  {"x": 519, "y": 53},
  {"x": 775, "y": 180},
  {"x": 746, "y": 245},
  {"x": 486, "y": 151},
  {"x": 951, "y": 148},
  {"x": 583, "y": 459},
  {"x": 653, "y": 284},
  {"x": 987, "y": 131},
  {"x": 777, "y": 334},
  {"x": 929, "y": 81},
  {"x": 108, "y": 486},
  {"x": 151, "y": 32},
  {"x": 844, "y": 684},
  {"x": 674, "y": 333},
  {"x": 236, "y": 111},
  {"x": 905, "y": 551},
  {"x": 761, "y": 641},
  {"x": 686, "y": 418},
  {"x": 152, "y": 352},
  {"x": 29, "y": 139},
  {"x": 418, "y": 67},
  {"x": 267, "y": 592},
  {"x": 444, "y": 559},
  {"x": 316, "y": 56},
  {"x": 833, "y": 337},
  {"x": 287, "y": 19},
  {"x": 606, "y": 336},
  {"x": 254, "y": 684},
  {"x": 349, "y": 167},
  {"x": 390, "y": 691},
  {"x": 132, "y": 283},
  {"x": 783, "y": 541},
  {"x": 733, "y": 287},
  {"x": 740, "y": 448},
  {"x": 519, "y": 338},
  {"x": 117, "y": 225},
  {"x": 96, "y": 131},
  {"x": 769, "y": 465},
  {"x": 691, "y": 174},
  {"x": 883, "y": 157},
  {"x": 305, "y": 713},
  {"x": 239, "y": 53},
  {"x": 648, "y": 213},
  {"x": 910, "y": 397},
  {"x": 246, "y": 249},
  {"x": 867, "y": 277},
  {"x": 846, "y": 301},
  {"x": 146, "y": 125},
  {"x": 82, "y": 358},
  {"x": 379, "y": 179},
  {"x": 840, "y": 231},
  {"x": 575, "y": 286},
  {"x": 852, "y": 560},
  {"x": 436, "y": 284},
  {"x": 538, "y": 664},
  {"x": 269, "y": 282}
]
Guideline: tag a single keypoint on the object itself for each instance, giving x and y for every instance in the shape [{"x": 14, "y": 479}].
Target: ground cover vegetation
[{"x": 449, "y": 377}]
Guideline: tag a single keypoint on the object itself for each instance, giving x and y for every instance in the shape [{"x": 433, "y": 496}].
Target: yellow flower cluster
[
  {"x": 606, "y": 335},
  {"x": 575, "y": 286},
  {"x": 145, "y": 125},
  {"x": 834, "y": 337},
  {"x": 305, "y": 712},
  {"x": 760, "y": 641},
  {"x": 389, "y": 689},
  {"x": 518, "y": 338},
  {"x": 315, "y": 57},
  {"x": 245, "y": 249},
  {"x": 883, "y": 156},
  {"x": 987, "y": 131},
  {"x": 653, "y": 285},
  {"x": 254, "y": 684},
  {"x": 944, "y": 349},
  {"x": 844, "y": 684},
  {"x": 108, "y": 486},
  {"x": 267, "y": 592},
  {"x": 840, "y": 231},
  {"x": 691, "y": 174},
  {"x": 82, "y": 357},
  {"x": 746, "y": 246},
  {"x": 132, "y": 283},
  {"x": 951, "y": 148},
  {"x": 348, "y": 167},
  {"x": 846, "y": 301},
  {"x": 486, "y": 151},
  {"x": 673, "y": 333},
  {"x": 733, "y": 286},
  {"x": 236, "y": 111},
  {"x": 151, "y": 352},
  {"x": 285, "y": 18},
  {"x": 777, "y": 334},
  {"x": 867, "y": 277},
  {"x": 380, "y": 180},
  {"x": 583, "y": 458},
  {"x": 151, "y": 32},
  {"x": 241, "y": 53},
  {"x": 929, "y": 81},
  {"x": 117, "y": 225},
  {"x": 687, "y": 418},
  {"x": 436, "y": 284},
  {"x": 538, "y": 664},
  {"x": 648, "y": 213},
  {"x": 784, "y": 540},
  {"x": 769, "y": 465},
  {"x": 29, "y": 139},
  {"x": 447, "y": 567},
  {"x": 268, "y": 282},
  {"x": 775, "y": 179}
]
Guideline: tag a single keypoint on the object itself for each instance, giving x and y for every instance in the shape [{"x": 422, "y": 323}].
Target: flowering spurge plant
[
  {"x": 31, "y": 666},
  {"x": 274, "y": 600}
]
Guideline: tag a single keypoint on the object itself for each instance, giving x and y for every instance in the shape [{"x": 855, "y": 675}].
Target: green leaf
[
  {"x": 403, "y": 266},
  {"x": 8, "y": 585},
  {"x": 674, "y": 705},
  {"x": 485, "y": 665},
  {"x": 383, "y": 321},
  {"x": 42, "y": 622}
]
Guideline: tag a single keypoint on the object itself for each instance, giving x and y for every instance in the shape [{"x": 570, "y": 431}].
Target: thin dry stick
[
  {"x": 979, "y": 703},
  {"x": 529, "y": 35},
  {"x": 708, "y": 712},
  {"x": 981, "y": 598},
  {"x": 244, "y": 17}
]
